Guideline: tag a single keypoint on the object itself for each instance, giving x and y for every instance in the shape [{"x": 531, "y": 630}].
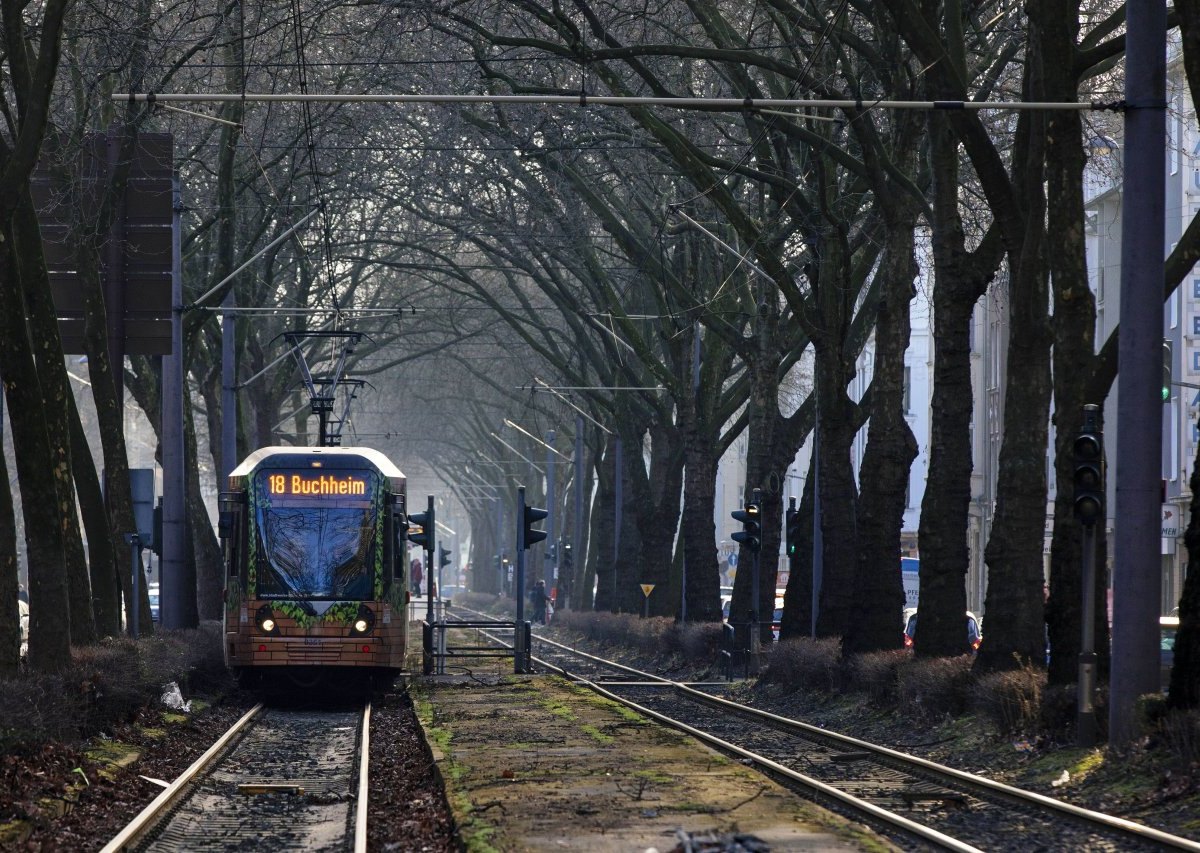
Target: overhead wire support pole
[
  {"x": 739, "y": 255},
  {"x": 268, "y": 311},
  {"x": 526, "y": 432},
  {"x": 199, "y": 303},
  {"x": 586, "y": 100},
  {"x": 536, "y": 467},
  {"x": 564, "y": 399},
  {"x": 656, "y": 388}
]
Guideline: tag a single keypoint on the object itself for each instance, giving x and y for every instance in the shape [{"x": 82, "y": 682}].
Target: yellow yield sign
[{"x": 647, "y": 588}]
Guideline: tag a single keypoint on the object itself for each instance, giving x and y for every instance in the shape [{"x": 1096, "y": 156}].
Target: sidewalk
[{"x": 533, "y": 763}]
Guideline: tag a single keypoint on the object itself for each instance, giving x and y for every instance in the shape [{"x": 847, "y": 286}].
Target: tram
[{"x": 314, "y": 547}]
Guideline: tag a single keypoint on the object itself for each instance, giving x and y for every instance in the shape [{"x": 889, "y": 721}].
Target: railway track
[
  {"x": 277, "y": 780},
  {"x": 914, "y": 801}
]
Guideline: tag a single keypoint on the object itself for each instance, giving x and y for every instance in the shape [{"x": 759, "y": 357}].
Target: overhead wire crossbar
[{"x": 584, "y": 100}]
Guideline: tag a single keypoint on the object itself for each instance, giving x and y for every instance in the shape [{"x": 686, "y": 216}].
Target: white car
[
  {"x": 153, "y": 591},
  {"x": 23, "y": 609}
]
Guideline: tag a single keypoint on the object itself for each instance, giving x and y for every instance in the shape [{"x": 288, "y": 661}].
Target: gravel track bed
[
  {"x": 46, "y": 806},
  {"x": 315, "y": 753}
]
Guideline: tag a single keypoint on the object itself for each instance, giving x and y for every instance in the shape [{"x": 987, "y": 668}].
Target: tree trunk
[
  {"x": 106, "y": 598},
  {"x": 797, "y": 598},
  {"x": 701, "y": 426},
  {"x": 629, "y": 598},
  {"x": 583, "y": 578},
  {"x": 945, "y": 507},
  {"x": 698, "y": 531},
  {"x": 656, "y": 493},
  {"x": 1184, "y": 693},
  {"x": 764, "y": 420},
  {"x": 10, "y": 625},
  {"x": 49, "y": 610},
  {"x": 1014, "y": 551},
  {"x": 110, "y": 418},
  {"x": 836, "y": 428},
  {"x": 1074, "y": 352},
  {"x": 58, "y": 408},
  {"x": 602, "y": 554},
  {"x": 887, "y": 463},
  {"x": 204, "y": 576}
]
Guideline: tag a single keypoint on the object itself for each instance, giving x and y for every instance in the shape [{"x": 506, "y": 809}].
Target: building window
[{"x": 908, "y": 389}]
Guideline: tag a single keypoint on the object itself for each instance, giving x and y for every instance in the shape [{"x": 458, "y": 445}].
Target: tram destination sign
[{"x": 310, "y": 484}]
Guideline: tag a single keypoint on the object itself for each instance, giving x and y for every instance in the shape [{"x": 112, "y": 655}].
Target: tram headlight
[
  {"x": 265, "y": 620},
  {"x": 364, "y": 621}
]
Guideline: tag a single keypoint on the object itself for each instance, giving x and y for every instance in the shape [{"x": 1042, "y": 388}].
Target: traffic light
[
  {"x": 1088, "y": 455},
  {"x": 532, "y": 516},
  {"x": 424, "y": 520},
  {"x": 1168, "y": 358},
  {"x": 529, "y": 516},
  {"x": 792, "y": 528},
  {"x": 443, "y": 557},
  {"x": 751, "y": 533}
]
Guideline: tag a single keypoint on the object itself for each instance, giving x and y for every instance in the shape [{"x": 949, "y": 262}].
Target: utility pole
[{"x": 1137, "y": 575}]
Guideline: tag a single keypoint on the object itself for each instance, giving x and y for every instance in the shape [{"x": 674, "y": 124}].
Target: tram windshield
[{"x": 317, "y": 544}]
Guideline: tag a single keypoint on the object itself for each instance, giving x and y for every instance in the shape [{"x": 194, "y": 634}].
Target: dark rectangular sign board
[{"x": 66, "y": 194}]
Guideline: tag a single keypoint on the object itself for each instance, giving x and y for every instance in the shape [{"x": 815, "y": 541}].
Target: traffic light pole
[
  {"x": 426, "y": 539},
  {"x": 750, "y": 538},
  {"x": 519, "y": 580},
  {"x": 755, "y": 614},
  {"x": 1086, "y": 721},
  {"x": 1087, "y": 452}
]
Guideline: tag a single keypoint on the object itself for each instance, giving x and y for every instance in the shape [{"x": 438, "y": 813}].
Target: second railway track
[{"x": 915, "y": 801}]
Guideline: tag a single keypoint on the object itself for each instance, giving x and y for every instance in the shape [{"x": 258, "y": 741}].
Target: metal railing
[{"x": 436, "y": 647}]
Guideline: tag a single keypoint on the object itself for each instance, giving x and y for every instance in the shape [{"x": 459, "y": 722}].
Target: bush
[
  {"x": 658, "y": 637},
  {"x": 932, "y": 688},
  {"x": 876, "y": 674},
  {"x": 805, "y": 662},
  {"x": 1012, "y": 699},
  {"x": 1181, "y": 736},
  {"x": 106, "y": 685},
  {"x": 1060, "y": 711}
]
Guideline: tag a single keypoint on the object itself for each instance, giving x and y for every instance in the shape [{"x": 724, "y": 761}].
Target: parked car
[
  {"x": 152, "y": 590},
  {"x": 1168, "y": 627},
  {"x": 974, "y": 634},
  {"x": 449, "y": 593},
  {"x": 23, "y": 610}
]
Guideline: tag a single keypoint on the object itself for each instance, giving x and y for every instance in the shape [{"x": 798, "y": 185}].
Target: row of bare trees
[
  {"x": 703, "y": 278},
  {"x": 818, "y": 211}
]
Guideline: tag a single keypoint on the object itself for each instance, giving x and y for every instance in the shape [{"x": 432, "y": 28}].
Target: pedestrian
[
  {"x": 416, "y": 575},
  {"x": 537, "y": 601}
]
